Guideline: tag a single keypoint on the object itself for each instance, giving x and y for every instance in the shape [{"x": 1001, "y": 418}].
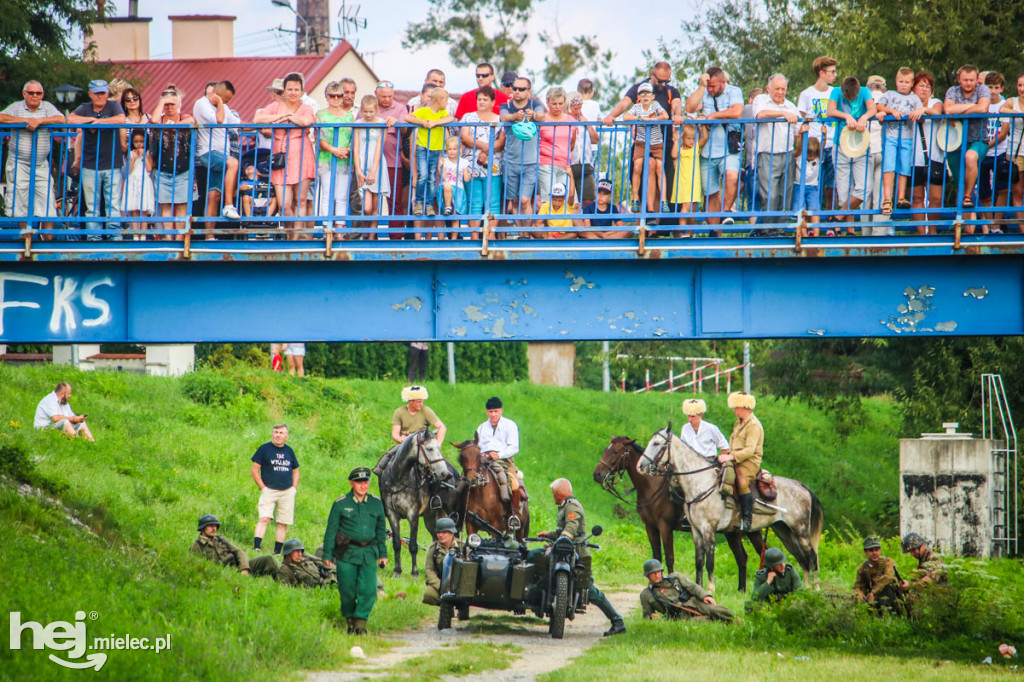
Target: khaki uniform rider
[
  {"x": 746, "y": 447},
  {"x": 408, "y": 419}
]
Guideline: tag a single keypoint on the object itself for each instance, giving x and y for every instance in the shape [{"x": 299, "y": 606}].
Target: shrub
[{"x": 208, "y": 388}]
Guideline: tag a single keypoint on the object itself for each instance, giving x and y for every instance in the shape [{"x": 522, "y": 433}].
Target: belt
[{"x": 363, "y": 543}]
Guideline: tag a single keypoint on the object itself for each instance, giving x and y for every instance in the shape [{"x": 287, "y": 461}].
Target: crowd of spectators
[{"x": 857, "y": 153}]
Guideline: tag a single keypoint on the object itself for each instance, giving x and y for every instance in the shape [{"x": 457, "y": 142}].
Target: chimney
[
  {"x": 315, "y": 13},
  {"x": 202, "y": 36},
  {"x": 119, "y": 38}
]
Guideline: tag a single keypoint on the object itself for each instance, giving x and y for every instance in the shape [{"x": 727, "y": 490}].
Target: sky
[{"x": 627, "y": 33}]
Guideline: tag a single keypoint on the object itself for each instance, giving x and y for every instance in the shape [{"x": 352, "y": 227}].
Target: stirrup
[{"x": 435, "y": 502}]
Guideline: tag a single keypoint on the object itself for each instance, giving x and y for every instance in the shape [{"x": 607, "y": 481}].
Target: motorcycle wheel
[
  {"x": 557, "y": 623},
  {"x": 444, "y": 616}
]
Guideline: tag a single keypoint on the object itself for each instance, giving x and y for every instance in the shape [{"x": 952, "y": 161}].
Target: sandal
[
  {"x": 968, "y": 203},
  {"x": 903, "y": 204},
  {"x": 887, "y": 207}
]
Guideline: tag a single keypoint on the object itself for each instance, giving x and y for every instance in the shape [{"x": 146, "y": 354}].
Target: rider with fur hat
[
  {"x": 746, "y": 447},
  {"x": 411, "y": 418},
  {"x": 777, "y": 579},
  {"x": 705, "y": 438}
]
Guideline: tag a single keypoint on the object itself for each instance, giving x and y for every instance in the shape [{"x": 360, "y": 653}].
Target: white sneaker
[
  {"x": 728, "y": 221},
  {"x": 230, "y": 212}
]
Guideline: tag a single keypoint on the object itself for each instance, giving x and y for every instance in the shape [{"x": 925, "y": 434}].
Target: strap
[
  {"x": 1016, "y": 107},
  {"x": 924, "y": 143}
]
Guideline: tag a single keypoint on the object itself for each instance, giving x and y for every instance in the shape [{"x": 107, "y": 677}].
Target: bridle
[
  {"x": 654, "y": 469},
  {"x": 481, "y": 470},
  {"x": 616, "y": 472}
]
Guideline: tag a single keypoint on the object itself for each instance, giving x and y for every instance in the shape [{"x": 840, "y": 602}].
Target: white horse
[{"x": 796, "y": 515}]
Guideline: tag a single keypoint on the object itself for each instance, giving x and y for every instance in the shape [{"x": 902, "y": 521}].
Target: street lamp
[
  {"x": 66, "y": 94},
  {"x": 287, "y": 4}
]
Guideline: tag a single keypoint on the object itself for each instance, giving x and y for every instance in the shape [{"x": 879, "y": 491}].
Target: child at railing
[
  {"x": 898, "y": 154},
  {"x": 647, "y": 108},
  {"x": 686, "y": 191},
  {"x": 429, "y": 144},
  {"x": 805, "y": 191},
  {"x": 139, "y": 192},
  {"x": 454, "y": 173},
  {"x": 370, "y": 165}
]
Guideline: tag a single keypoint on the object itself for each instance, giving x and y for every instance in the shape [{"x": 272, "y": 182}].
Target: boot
[
  {"x": 360, "y": 626},
  {"x": 499, "y": 473},
  {"x": 747, "y": 509},
  {"x": 618, "y": 627},
  {"x": 351, "y": 625},
  {"x": 382, "y": 464}
]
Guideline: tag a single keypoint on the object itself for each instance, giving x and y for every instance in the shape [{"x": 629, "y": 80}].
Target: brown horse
[
  {"x": 483, "y": 497},
  {"x": 661, "y": 512}
]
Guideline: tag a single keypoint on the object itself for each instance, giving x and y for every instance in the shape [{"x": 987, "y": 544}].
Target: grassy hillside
[{"x": 170, "y": 450}]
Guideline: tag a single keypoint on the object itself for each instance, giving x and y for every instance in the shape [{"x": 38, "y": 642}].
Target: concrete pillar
[
  {"x": 170, "y": 360},
  {"x": 552, "y": 364},
  {"x": 946, "y": 491},
  {"x": 76, "y": 354}
]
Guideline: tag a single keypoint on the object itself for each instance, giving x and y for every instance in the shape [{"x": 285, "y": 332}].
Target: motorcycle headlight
[{"x": 474, "y": 540}]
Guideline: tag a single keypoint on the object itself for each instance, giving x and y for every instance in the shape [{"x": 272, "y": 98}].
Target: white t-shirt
[
  {"x": 1016, "y": 131},
  {"x": 928, "y": 125},
  {"x": 503, "y": 438},
  {"x": 992, "y": 128},
  {"x": 814, "y": 102},
  {"x": 811, "y": 173},
  {"x": 48, "y": 408},
  {"x": 775, "y": 138},
  {"x": 205, "y": 113},
  {"x": 451, "y": 171},
  {"x": 707, "y": 441}
]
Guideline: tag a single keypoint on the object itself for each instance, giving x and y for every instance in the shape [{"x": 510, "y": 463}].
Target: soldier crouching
[
  {"x": 302, "y": 570},
  {"x": 877, "y": 582},
  {"x": 777, "y": 579}
]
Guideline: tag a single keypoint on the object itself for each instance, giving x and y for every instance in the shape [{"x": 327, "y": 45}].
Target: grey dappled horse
[
  {"x": 698, "y": 480},
  {"x": 417, "y": 473}
]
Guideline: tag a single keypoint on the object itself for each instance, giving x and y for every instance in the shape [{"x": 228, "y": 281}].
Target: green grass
[{"x": 162, "y": 459}]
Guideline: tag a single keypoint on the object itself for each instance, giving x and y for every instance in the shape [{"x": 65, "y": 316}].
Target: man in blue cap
[
  {"x": 357, "y": 540},
  {"x": 101, "y": 158}
]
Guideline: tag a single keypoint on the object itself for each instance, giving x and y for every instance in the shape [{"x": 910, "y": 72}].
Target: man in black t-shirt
[
  {"x": 101, "y": 158},
  {"x": 276, "y": 472},
  {"x": 670, "y": 100},
  {"x": 603, "y": 207}
]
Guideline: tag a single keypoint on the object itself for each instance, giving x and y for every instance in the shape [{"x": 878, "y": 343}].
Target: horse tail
[{"x": 817, "y": 523}]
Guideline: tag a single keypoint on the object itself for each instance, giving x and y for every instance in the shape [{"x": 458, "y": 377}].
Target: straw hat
[
  {"x": 276, "y": 86},
  {"x": 948, "y": 135},
  {"x": 854, "y": 143}
]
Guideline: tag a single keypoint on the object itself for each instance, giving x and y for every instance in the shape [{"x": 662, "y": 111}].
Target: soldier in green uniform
[
  {"x": 302, "y": 570},
  {"x": 677, "y": 597},
  {"x": 408, "y": 419},
  {"x": 445, "y": 543},
  {"x": 877, "y": 582},
  {"x": 221, "y": 550},
  {"x": 356, "y": 540},
  {"x": 778, "y": 579},
  {"x": 930, "y": 569},
  {"x": 572, "y": 524}
]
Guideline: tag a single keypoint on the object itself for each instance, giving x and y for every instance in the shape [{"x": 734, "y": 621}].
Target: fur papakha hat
[
  {"x": 414, "y": 393},
  {"x": 741, "y": 399},
  {"x": 692, "y": 406}
]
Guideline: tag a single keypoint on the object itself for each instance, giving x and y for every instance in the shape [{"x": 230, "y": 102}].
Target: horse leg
[
  {"x": 668, "y": 540},
  {"x": 395, "y": 521},
  {"x": 654, "y": 540},
  {"x": 709, "y": 560},
  {"x": 801, "y": 549},
  {"x": 735, "y": 541},
  {"x": 698, "y": 557},
  {"x": 414, "y": 527}
]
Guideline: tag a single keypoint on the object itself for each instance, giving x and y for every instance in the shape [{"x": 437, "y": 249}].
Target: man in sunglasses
[
  {"x": 484, "y": 76},
  {"x": 33, "y": 112},
  {"x": 670, "y": 100}
]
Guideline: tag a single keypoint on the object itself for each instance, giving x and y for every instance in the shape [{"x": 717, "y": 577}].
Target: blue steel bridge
[{"x": 72, "y": 278}]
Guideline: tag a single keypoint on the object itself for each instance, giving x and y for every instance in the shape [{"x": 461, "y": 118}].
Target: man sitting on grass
[
  {"x": 221, "y": 550},
  {"x": 877, "y": 583},
  {"x": 54, "y": 412},
  {"x": 677, "y": 597},
  {"x": 302, "y": 570}
]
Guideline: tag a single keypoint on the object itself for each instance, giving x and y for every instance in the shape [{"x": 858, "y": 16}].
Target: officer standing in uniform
[
  {"x": 677, "y": 597},
  {"x": 219, "y": 549},
  {"x": 746, "y": 446},
  {"x": 777, "y": 579},
  {"x": 357, "y": 540},
  {"x": 302, "y": 570},
  {"x": 445, "y": 543},
  {"x": 930, "y": 569},
  {"x": 876, "y": 582},
  {"x": 572, "y": 524}
]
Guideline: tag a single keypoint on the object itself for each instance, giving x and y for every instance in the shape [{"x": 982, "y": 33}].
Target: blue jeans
[
  {"x": 426, "y": 175},
  {"x": 101, "y": 186}
]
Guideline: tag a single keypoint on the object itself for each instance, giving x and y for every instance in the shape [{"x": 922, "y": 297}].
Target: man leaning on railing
[
  {"x": 22, "y": 167},
  {"x": 101, "y": 157}
]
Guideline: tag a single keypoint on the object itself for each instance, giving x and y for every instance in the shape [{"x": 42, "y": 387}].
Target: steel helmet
[
  {"x": 773, "y": 556},
  {"x": 872, "y": 542},
  {"x": 444, "y": 525},
  {"x": 652, "y": 565},
  {"x": 912, "y": 541},
  {"x": 208, "y": 520},
  {"x": 292, "y": 545}
]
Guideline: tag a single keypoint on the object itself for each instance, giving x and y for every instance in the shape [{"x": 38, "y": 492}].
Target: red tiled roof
[
  {"x": 26, "y": 357},
  {"x": 249, "y": 75},
  {"x": 118, "y": 356}
]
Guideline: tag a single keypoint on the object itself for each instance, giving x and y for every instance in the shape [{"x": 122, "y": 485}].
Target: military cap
[
  {"x": 912, "y": 541},
  {"x": 872, "y": 542},
  {"x": 444, "y": 525},
  {"x": 494, "y": 403},
  {"x": 773, "y": 556},
  {"x": 292, "y": 545},
  {"x": 692, "y": 406},
  {"x": 652, "y": 565},
  {"x": 741, "y": 399},
  {"x": 360, "y": 474},
  {"x": 208, "y": 520},
  {"x": 414, "y": 393}
]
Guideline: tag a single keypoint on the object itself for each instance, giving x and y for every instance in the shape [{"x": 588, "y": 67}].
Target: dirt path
[{"x": 544, "y": 654}]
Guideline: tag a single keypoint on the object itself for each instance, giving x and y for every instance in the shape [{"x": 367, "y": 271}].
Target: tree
[
  {"x": 495, "y": 31},
  {"x": 36, "y": 44}
]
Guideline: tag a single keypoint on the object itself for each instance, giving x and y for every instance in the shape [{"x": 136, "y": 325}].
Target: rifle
[{"x": 486, "y": 526}]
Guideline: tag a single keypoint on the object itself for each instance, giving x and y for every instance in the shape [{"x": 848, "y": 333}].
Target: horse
[
  {"x": 660, "y": 510},
  {"x": 796, "y": 515},
  {"x": 418, "y": 481},
  {"x": 483, "y": 496}
]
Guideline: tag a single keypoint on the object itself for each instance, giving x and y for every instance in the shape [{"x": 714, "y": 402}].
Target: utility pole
[{"x": 746, "y": 366}]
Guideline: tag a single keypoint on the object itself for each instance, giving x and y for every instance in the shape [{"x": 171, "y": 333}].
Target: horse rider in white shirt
[
  {"x": 499, "y": 442},
  {"x": 704, "y": 437}
]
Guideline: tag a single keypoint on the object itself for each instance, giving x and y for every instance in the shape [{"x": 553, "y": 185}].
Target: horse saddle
[{"x": 763, "y": 486}]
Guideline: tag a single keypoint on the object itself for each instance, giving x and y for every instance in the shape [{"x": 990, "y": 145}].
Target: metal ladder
[{"x": 997, "y": 424}]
